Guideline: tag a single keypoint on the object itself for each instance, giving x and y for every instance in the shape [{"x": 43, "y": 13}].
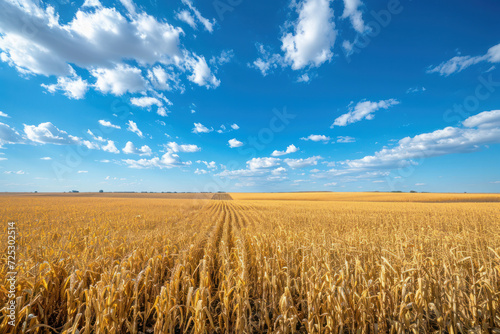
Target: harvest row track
[{"x": 215, "y": 274}]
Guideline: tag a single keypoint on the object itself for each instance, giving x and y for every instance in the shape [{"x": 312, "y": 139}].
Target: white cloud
[
  {"x": 82, "y": 171},
  {"x": 119, "y": 80},
  {"x": 420, "y": 184},
  {"x": 131, "y": 149},
  {"x": 200, "y": 128},
  {"x": 19, "y": 172},
  {"x": 8, "y": 135},
  {"x": 224, "y": 58},
  {"x": 200, "y": 171},
  {"x": 210, "y": 165},
  {"x": 267, "y": 61},
  {"x": 316, "y": 138},
  {"x": 132, "y": 126},
  {"x": 174, "y": 147},
  {"x": 47, "y": 133},
  {"x": 459, "y": 63},
  {"x": 290, "y": 149},
  {"x": 363, "y": 110},
  {"x": 311, "y": 42},
  {"x": 108, "y": 124},
  {"x": 301, "y": 163},
  {"x": 202, "y": 75},
  {"x": 186, "y": 17},
  {"x": 481, "y": 129},
  {"x": 278, "y": 171},
  {"x": 2, "y": 114},
  {"x": 234, "y": 143},
  {"x": 484, "y": 120},
  {"x": 415, "y": 90},
  {"x": 46, "y": 158},
  {"x": 351, "y": 11},
  {"x": 207, "y": 24},
  {"x": 235, "y": 126},
  {"x": 90, "y": 145},
  {"x": 345, "y": 139},
  {"x": 162, "y": 112},
  {"x": 74, "y": 88},
  {"x": 168, "y": 160},
  {"x": 92, "y": 3},
  {"x": 259, "y": 163},
  {"x": 100, "y": 42},
  {"x": 146, "y": 101},
  {"x": 110, "y": 147},
  {"x": 98, "y": 138},
  {"x": 331, "y": 184}
]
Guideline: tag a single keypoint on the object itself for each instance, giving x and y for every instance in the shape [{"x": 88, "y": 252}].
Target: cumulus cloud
[
  {"x": 110, "y": 147},
  {"x": 363, "y": 110},
  {"x": 108, "y": 124},
  {"x": 484, "y": 120},
  {"x": 307, "y": 42},
  {"x": 2, "y": 114},
  {"x": 73, "y": 87},
  {"x": 459, "y": 63},
  {"x": 131, "y": 149},
  {"x": 146, "y": 101},
  {"x": 202, "y": 75},
  {"x": 168, "y": 160},
  {"x": 351, "y": 11},
  {"x": 234, "y": 143},
  {"x": 102, "y": 43},
  {"x": 311, "y": 42},
  {"x": 316, "y": 138},
  {"x": 477, "y": 131},
  {"x": 290, "y": 149},
  {"x": 174, "y": 147},
  {"x": 302, "y": 163},
  {"x": 132, "y": 126},
  {"x": 46, "y": 158},
  {"x": 119, "y": 80},
  {"x": 200, "y": 128},
  {"x": 47, "y": 133},
  {"x": 259, "y": 163},
  {"x": 235, "y": 126}
]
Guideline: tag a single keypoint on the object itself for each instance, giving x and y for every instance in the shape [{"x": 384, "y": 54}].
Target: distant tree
[
  {"x": 412, "y": 191},
  {"x": 101, "y": 191}
]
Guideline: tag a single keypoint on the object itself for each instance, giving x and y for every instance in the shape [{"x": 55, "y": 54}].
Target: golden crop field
[{"x": 260, "y": 263}]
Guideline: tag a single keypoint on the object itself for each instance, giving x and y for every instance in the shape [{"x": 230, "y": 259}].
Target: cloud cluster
[
  {"x": 120, "y": 53},
  {"x": 131, "y": 149},
  {"x": 476, "y": 131}
]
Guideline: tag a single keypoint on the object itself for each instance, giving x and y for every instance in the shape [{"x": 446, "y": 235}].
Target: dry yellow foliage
[{"x": 120, "y": 264}]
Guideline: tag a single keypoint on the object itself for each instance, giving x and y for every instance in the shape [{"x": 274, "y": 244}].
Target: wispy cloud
[{"x": 363, "y": 110}]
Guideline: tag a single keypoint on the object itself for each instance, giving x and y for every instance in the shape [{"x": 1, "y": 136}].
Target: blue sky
[{"x": 243, "y": 95}]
